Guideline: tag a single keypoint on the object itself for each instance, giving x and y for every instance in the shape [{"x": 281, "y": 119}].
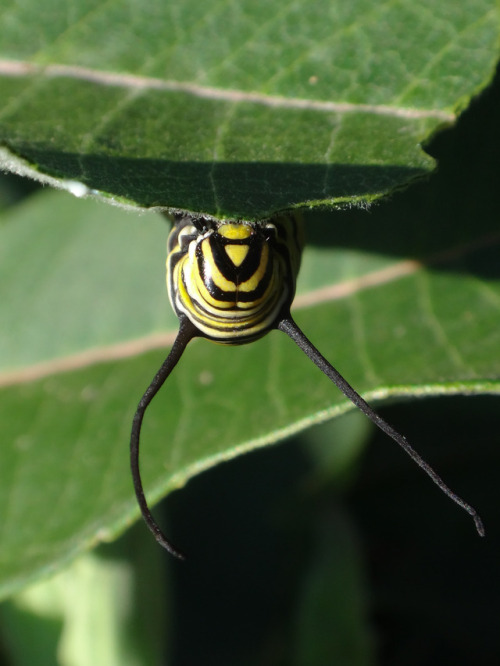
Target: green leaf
[
  {"x": 84, "y": 311},
  {"x": 100, "y": 595},
  {"x": 236, "y": 109}
]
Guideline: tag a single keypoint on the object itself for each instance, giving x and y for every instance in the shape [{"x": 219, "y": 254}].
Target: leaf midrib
[{"x": 17, "y": 68}]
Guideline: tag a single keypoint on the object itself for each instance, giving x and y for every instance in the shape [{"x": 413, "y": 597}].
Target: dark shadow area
[
  {"x": 432, "y": 585},
  {"x": 244, "y": 553},
  {"x": 259, "y": 188},
  {"x": 435, "y": 584},
  {"x": 456, "y": 206}
]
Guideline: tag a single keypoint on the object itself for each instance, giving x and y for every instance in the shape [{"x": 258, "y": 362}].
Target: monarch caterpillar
[{"x": 233, "y": 282}]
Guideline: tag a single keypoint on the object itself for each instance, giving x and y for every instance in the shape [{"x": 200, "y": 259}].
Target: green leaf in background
[
  {"x": 102, "y": 594},
  {"x": 84, "y": 310},
  {"x": 236, "y": 109}
]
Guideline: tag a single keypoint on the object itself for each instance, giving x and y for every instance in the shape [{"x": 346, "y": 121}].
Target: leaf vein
[{"x": 124, "y": 80}]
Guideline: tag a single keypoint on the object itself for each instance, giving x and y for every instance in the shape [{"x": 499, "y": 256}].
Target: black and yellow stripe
[
  {"x": 232, "y": 279},
  {"x": 232, "y": 282}
]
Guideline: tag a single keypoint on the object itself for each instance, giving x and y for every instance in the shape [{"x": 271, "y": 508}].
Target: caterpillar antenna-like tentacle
[
  {"x": 186, "y": 333},
  {"x": 288, "y": 326}
]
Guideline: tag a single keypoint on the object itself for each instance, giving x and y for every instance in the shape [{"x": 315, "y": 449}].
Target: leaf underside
[{"x": 237, "y": 111}]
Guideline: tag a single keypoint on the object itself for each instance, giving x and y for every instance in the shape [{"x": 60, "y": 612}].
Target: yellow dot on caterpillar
[
  {"x": 237, "y": 253},
  {"x": 235, "y": 231}
]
